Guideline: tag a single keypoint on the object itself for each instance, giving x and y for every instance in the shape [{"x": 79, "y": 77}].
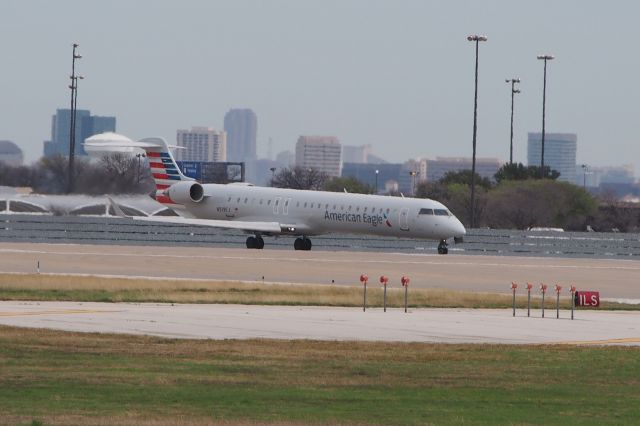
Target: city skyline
[{"x": 406, "y": 90}]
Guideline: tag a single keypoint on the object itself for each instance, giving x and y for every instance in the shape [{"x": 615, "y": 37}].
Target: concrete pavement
[{"x": 321, "y": 323}]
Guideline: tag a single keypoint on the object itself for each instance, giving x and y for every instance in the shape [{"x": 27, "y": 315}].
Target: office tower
[
  {"x": 323, "y": 153},
  {"x": 241, "y": 126},
  {"x": 86, "y": 126},
  {"x": 94, "y": 125},
  {"x": 559, "y": 153},
  {"x": 201, "y": 144}
]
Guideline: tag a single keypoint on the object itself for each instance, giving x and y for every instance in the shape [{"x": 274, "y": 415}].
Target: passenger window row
[{"x": 349, "y": 208}]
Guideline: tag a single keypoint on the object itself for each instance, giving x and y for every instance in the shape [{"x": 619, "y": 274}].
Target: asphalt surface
[{"x": 615, "y": 279}]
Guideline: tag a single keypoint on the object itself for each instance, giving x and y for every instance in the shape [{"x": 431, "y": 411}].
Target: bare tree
[
  {"x": 50, "y": 175},
  {"x": 299, "y": 178}
]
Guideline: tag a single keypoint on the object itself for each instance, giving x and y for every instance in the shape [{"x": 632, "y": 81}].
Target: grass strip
[
  {"x": 56, "y": 377},
  {"x": 45, "y": 287}
]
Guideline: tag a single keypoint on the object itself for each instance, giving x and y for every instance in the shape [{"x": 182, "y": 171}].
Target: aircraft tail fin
[{"x": 163, "y": 166}]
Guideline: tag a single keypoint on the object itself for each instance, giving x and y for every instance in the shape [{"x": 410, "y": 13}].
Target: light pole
[
  {"x": 377, "y": 173},
  {"x": 72, "y": 119},
  {"x": 513, "y": 82},
  {"x": 584, "y": 176},
  {"x": 273, "y": 174},
  {"x": 477, "y": 39},
  {"x": 413, "y": 174},
  {"x": 544, "y": 58}
]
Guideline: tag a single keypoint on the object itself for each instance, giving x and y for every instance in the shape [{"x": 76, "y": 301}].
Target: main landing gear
[
  {"x": 442, "y": 247},
  {"x": 255, "y": 242},
  {"x": 302, "y": 244}
]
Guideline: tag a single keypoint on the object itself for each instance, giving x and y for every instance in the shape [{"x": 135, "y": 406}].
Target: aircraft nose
[{"x": 458, "y": 229}]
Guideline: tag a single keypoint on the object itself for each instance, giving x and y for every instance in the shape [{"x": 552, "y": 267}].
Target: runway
[
  {"x": 615, "y": 279},
  {"x": 320, "y": 323}
]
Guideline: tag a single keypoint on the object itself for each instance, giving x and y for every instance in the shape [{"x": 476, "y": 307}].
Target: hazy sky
[{"x": 394, "y": 74}]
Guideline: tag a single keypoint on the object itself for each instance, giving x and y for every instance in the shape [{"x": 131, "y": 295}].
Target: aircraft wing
[
  {"x": 267, "y": 227},
  {"x": 270, "y": 227}
]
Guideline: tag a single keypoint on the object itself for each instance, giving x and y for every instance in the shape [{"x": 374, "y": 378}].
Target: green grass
[
  {"x": 67, "y": 378},
  {"x": 45, "y": 287}
]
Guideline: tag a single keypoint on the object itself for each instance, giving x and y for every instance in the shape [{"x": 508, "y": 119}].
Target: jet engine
[{"x": 185, "y": 192}]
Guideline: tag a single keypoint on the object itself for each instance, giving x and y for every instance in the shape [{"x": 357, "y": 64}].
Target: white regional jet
[{"x": 264, "y": 211}]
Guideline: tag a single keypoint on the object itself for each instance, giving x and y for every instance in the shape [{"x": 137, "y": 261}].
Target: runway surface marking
[
  {"x": 320, "y": 260},
  {"x": 56, "y": 312}
]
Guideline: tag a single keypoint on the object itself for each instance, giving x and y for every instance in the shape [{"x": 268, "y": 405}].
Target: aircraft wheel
[
  {"x": 252, "y": 242},
  {"x": 306, "y": 244},
  {"x": 259, "y": 243},
  {"x": 442, "y": 247},
  {"x": 297, "y": 244}
]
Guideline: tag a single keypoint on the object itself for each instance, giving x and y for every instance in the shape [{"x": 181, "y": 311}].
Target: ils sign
[{"x": 588, "y": 298}]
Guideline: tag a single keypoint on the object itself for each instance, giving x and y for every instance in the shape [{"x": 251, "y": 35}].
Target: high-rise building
[
  {"x": 95, "y": 124},
  {"x": 559, "y": 153},
  {"x": 323, "y": 153},
  {"x": 10, "y": 153},
  {"x": 86, "y": 126},
  {"x": 201, "y": 144},
  {"x": 241, "y": 126}
]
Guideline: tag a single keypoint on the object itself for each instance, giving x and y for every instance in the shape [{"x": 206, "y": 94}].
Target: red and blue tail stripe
[{"x": 164, "y": 169}]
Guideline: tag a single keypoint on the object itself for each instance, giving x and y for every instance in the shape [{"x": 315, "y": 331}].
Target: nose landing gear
[{"x": 442, "y": 247}]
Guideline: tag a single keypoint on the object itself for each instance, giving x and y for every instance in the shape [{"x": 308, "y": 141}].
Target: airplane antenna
[
  {"x": 345, "y": 190},
  {"x": 402, "y": 195}
]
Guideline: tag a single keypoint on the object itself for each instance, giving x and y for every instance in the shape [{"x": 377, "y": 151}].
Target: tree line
[
  {"x": 520, "y": 198},
  {"x": 113, "y": 174}
]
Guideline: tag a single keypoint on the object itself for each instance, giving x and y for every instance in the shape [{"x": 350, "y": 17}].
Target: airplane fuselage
[{"x": 302, "y": 212}]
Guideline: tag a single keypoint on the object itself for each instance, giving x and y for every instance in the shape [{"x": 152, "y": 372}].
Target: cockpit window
[
  {"x": 426, "y": 211},
  {"x": 441, "y": 212}
]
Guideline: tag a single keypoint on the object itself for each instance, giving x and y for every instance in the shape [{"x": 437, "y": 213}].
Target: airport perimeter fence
[{"x": 126, "y": 231}]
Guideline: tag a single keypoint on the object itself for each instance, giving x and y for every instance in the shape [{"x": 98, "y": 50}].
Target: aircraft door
[
  {"x": 403, "y": 219},
  {"x": 276, "y": 205},
  {"x": 285, "y": 207}
]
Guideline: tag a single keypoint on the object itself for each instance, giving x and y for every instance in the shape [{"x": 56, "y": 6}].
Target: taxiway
[{"x": 321, "y": 323}]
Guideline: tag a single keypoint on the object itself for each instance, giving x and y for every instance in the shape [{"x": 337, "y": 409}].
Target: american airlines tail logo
[{"x": 386, "y": 220}]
